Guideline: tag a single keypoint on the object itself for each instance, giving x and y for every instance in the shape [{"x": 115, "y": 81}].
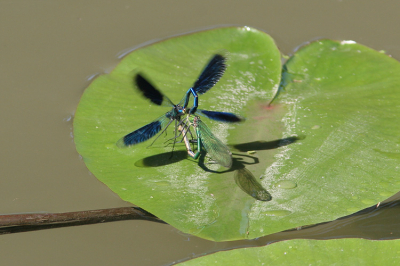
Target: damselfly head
[{"x": 180, "y": 110}]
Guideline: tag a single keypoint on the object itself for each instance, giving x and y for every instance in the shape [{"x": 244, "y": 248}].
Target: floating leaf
[
  {"x": 343, "y": 99},
  {"x": 204, "y": 200},
  {"x": 309, "y": 252}
]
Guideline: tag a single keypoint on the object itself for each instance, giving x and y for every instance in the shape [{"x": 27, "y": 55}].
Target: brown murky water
[{"x": 48, "y": 49}]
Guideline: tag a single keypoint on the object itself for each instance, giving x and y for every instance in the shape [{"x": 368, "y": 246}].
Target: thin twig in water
[{"x": 15, "y": 223}]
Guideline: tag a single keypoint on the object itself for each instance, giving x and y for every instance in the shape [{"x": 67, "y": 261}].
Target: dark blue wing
[
  {"x": 144, "y": 133},
  {"x": 221, "y": 116},
  {"x": 150, "y": 92},
  {"x": 211, "y": 74}
]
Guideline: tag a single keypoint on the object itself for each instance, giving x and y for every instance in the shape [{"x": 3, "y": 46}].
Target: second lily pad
[{"x": 343, "y": 98}]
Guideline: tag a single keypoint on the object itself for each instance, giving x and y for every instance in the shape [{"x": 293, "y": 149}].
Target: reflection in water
[{"x": 248, "y": 183}]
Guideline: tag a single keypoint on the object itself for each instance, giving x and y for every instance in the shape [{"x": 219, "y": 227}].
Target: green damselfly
[{"x": 217, "y": 150}]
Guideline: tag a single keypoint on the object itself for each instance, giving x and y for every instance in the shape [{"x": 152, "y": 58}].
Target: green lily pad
[
  {"x": 309, "y": 252},
  {"x": 196, "y": 197},
  {"x": 343, "y": 99}
]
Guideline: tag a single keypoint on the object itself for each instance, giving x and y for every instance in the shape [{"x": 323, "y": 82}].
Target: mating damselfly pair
[{"x": 186, "y": 118}]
